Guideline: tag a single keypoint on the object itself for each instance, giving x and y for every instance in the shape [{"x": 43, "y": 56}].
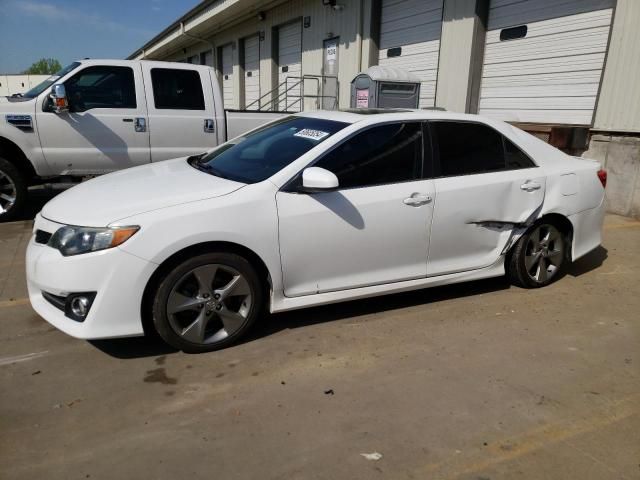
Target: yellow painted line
[
  {"x": 622, "y": 225},
  {"x": 14, "y": 303}
]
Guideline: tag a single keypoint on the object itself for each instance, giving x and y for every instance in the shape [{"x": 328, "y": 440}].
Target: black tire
[
  {"x": 13, "y": 184},
  {"x": 185, "y": 280},
  {"x": 534, "y": 261}
]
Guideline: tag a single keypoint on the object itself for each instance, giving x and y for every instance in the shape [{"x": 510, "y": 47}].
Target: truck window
[
  {"x": 101, "y": 87},
  {"x": 177, "y": 89}
]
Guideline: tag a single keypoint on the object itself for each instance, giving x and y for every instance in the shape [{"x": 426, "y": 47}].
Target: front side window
[
  {"x": 177, "y": 89},
  {"x": 386, "y": 154},
  {"x": 101, "y": 87},
  {"x": 264, "y": 152},
  {"x": 41, "y": 87}
]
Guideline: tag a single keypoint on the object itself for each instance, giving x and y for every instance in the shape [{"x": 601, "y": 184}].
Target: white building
[
  {"x": 12, "y": 84},
  {"x": 564, "y": 69}
]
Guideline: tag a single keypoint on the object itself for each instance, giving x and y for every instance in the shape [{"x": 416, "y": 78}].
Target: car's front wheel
[
  {"x": 539, "y": 257},
  {"x": 207, "y": 302}
]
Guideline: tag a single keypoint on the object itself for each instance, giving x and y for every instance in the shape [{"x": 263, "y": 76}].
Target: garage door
[
  {"x": 226, "y": 67},
  {"x": 289, "y": 66},
  {"x": 251, "y": 72},
  {"x": 543, "y": 59},
  {"x": 410, "y": 40}
]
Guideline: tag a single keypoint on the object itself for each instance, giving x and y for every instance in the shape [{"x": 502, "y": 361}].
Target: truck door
[
  {"x": 105, "y": 128},
  {"x": 181, "y": 111}
]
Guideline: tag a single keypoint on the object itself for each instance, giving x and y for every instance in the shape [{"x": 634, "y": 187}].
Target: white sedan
[{"x": 313, "y": 209}]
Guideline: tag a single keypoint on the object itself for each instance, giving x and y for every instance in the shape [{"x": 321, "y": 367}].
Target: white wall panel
[
  {"x": 414, "y": 26},
  {"x": 552, "y": 74},
  {"x": 227, "y": 75}
]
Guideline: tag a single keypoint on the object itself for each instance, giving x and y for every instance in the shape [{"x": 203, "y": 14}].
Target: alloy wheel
[
  {"x": 8, "y": 193},
  {"x": 544, "y": 253},
  {"x": 209, "y": 304}
]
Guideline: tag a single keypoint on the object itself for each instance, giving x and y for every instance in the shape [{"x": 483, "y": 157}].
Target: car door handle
[
  {"x": 530, "y": 186},
  {"x": 417, "y": 199},
  {"x": 209, "y": 125}
]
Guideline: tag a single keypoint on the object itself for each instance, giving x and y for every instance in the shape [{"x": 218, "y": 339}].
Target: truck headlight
[{"x": 71, "y": 240}]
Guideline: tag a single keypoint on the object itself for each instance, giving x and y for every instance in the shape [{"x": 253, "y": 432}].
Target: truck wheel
[
  {"x": 13, "y": 190},
  {"x": 207, "y": 302}
]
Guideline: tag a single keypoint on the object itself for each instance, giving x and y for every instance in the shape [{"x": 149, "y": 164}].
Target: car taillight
[{"x": 602, "y": 175}]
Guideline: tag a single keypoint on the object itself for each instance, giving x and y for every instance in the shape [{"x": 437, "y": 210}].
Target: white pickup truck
[{"x": 98, "y": 116}]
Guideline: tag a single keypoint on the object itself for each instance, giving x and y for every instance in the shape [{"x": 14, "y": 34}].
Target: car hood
[{"x": 106, "y": 199}]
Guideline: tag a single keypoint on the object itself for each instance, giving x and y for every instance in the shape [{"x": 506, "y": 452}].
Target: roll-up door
[
  {"x": 410, "y": 40},
  {"x": 226, "y": 68},
  {"x": 543, "y": 60},
  {"x": 289, "y": 66},
  {"x": 251, "y": 72}
]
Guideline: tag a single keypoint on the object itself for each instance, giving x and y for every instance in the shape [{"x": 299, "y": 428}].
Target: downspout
[{"x": 360, "y": 33}]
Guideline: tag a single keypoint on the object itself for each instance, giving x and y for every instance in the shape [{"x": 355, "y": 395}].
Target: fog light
[{"x": 78, "y": 305}]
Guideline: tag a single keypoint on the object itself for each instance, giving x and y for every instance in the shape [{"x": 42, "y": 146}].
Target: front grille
[{"x": 42, "y": 237}]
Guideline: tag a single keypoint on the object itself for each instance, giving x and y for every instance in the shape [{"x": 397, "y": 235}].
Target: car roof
[{"x": 378, "y": 115}]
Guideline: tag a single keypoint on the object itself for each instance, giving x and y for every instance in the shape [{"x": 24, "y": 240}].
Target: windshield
[
  {"x": 41, "y": 87},
  {"x": 264, "y": 152}
]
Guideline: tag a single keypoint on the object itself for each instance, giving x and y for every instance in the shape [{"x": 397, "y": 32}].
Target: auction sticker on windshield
[{"x": 311, "y": 134}]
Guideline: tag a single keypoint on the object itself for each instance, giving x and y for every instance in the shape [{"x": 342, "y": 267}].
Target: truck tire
[{"x": 13, "y": 190}]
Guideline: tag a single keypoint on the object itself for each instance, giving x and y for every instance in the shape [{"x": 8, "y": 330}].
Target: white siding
[
  {"x": 227, "y": 75},
  {"x": 289, "y": 57},
  {"x": 415, "y": 26},
  {"x": 552, "y": 75},
  {"x": 251, "y": 71}
]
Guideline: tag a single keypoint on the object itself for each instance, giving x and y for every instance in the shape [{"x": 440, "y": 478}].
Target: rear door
[
  {"x": 484, "y": 185},
  {"x": 105, "y": 127},
  {"x": 373, "y": 230},
  {"x": 181, "y": 111}
]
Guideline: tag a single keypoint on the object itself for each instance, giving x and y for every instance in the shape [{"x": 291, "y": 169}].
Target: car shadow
[
  {"x": 589, "y": 262},
  {"x": 270, "y": 324}
]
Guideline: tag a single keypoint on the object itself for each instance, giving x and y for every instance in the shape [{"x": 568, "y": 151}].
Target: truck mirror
[{"x": 59, "y": 98}]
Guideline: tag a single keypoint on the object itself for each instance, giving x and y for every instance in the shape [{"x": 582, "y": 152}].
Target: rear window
[{"x": 264, "y": 152}]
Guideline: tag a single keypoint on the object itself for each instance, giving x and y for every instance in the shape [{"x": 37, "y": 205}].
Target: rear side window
[
  {"x": 385, "y": 154},
  {"x": 101, "y": 87},
  {"x": 465, "y": 148},
  {"x": 177, "y": 89},
  {"x": 516, "y": 158}
]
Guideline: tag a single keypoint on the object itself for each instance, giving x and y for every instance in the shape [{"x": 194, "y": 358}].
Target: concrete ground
[{"x": 473, "y": 381}]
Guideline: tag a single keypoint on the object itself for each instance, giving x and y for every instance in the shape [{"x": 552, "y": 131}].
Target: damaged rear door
[{"x": 485, "y": 186}]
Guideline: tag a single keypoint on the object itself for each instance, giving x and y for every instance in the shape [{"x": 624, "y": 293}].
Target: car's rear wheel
[
  {"x": 539, "y": 257},
  {"x": 207, "y": 302},
  {"x": 13, "y": 190}
]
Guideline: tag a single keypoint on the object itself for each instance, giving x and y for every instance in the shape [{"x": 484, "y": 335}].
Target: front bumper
[{"x": 119, "y": 279}]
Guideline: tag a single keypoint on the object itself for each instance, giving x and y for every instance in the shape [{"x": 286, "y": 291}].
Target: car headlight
[{"x": 76, "y": 240}]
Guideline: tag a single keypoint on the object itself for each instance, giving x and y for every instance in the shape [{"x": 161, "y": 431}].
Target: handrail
[{"x": 297, "y": 82}]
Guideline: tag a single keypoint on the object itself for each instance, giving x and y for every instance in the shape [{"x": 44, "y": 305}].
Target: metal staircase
[{"x": 291, "y": 95}]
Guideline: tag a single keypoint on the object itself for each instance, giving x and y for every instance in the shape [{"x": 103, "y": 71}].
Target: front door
[
  {"x": 181, "y": 112},
  {"x": 373, "y": 230},
  {"x": 486, "y": 185},
  {"x": 330, "y": 74},
  {"x": 105, "y": 128}
]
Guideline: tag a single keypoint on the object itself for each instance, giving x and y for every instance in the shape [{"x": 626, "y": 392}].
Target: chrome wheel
[
  {"x": 544, "y": 253},
  {"x": 209, "y": 304},
  {"x": 8, "y": 193}
]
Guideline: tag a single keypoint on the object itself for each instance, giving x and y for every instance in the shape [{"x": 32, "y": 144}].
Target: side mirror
[
  {"x": 59, "y": 98},
  {"x": 316, "y": 179}
]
